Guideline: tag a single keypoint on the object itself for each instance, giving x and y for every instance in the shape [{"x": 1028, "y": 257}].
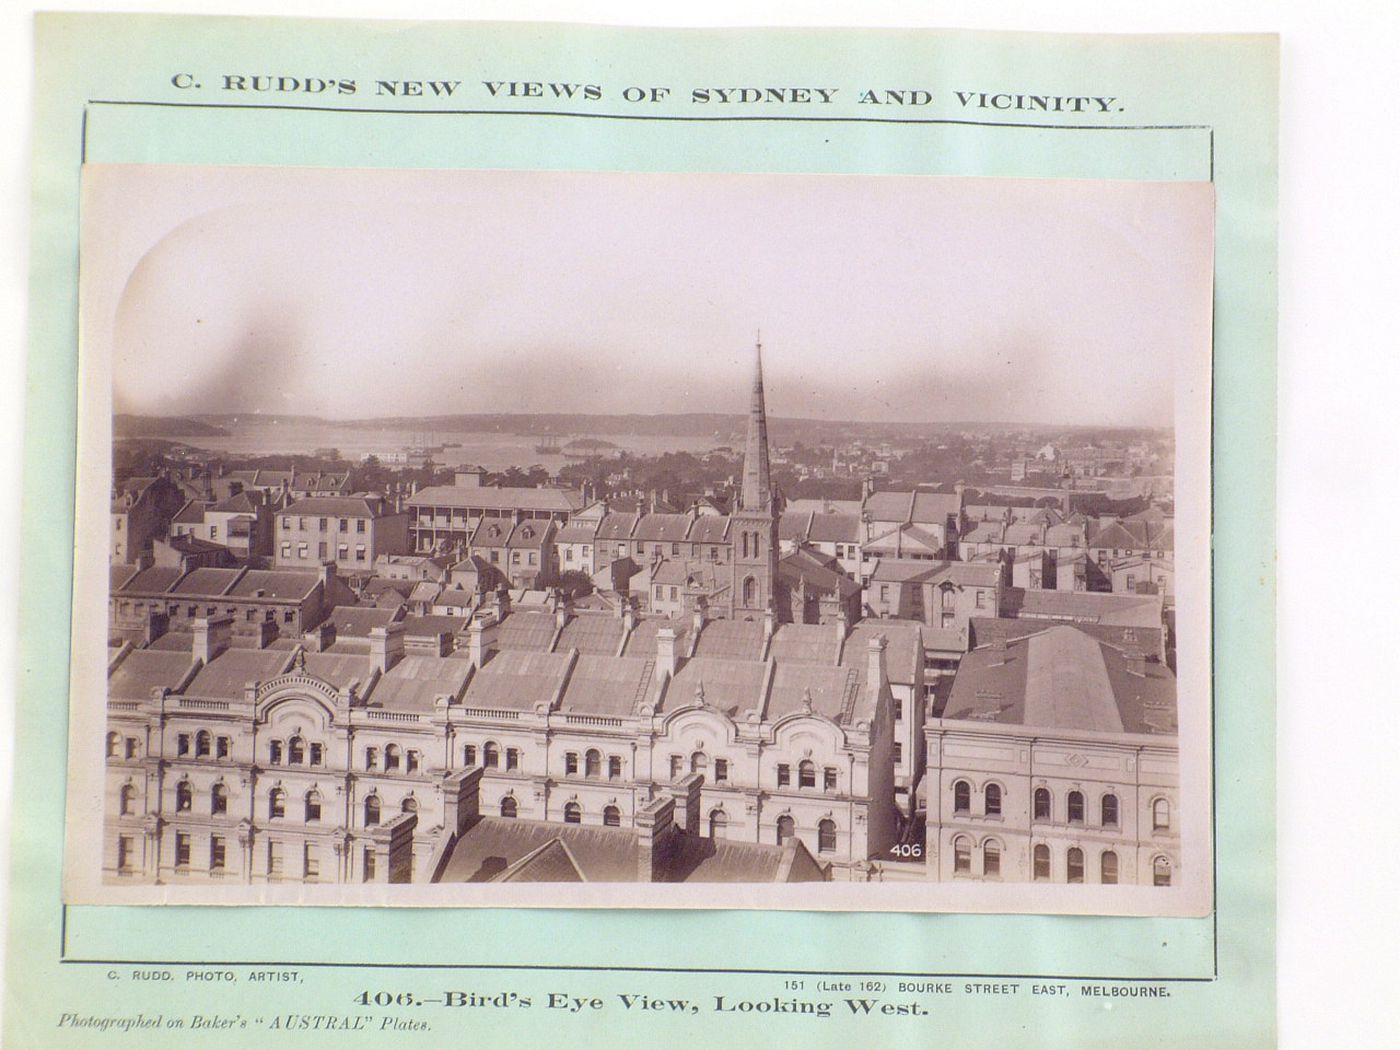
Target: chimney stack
[
  {"x": 327, "y": 574},
  {"x": 211, "y": 637},
  {"x": 481, "y": 640},
  {"x": 666, "y": 654},
  {"x": 877, "y": 674},
  {"x": 461, "y": 799},
  {"x": 769, "y": 624},
  {"x": 698, "y": 617},
  {"x": 319, "y": 638},
  {"x": 655, "y": 824},
  {"x": 686, "y": 795},
  {"x": 629, "y": 614},
  {"x": 385, "y": 646}
]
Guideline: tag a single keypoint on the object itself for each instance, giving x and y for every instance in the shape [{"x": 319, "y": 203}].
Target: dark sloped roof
[
  {"x": 225, "y": 676},
  {"x": 662, "y": 528},
  {"x": 491, "y": 498},
  {"x": 607, "y": 685},
  {"x": 731, "y": 686},
  {"x": 493, "y": 844},
  {"x": 836, "y": 692},
  {"x": 276, "y": 583},
  {"x": 526, "y": 631},
  {"x": 733, "y": 639},
  {"x": 517, "y": 681},
  {"x": 709, "y": 528},
  {"x": 207, "y": 582},
  {"x": 415, "y": 683},
  {"x": 599, "y": 633},
  {"x": 335, "y": 507},
  {"x": 145, "y": 670}
]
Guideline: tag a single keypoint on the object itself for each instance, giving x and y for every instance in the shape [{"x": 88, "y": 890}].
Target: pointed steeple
[{"x": 756, "y": 493}]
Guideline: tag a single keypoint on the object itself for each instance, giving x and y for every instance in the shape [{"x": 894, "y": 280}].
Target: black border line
[{"x": 530, "y": 967}]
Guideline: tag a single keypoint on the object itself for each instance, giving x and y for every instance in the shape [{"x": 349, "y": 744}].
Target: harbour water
[{"x": 493, "y": 450}]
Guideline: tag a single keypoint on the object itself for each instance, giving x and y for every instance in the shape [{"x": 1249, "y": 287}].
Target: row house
[
  {"x": 243, "y": 523},
  {"x": 943, "y": 595},
  {"x": 146, "y": 604},
  {"x": 280, "y": 487}
]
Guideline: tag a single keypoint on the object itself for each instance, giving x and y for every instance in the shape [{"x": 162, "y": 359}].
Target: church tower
[{"x": 753, "y": 527}]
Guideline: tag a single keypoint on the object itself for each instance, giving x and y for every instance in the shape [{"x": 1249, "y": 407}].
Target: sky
[{"x": 352, "y": 294}]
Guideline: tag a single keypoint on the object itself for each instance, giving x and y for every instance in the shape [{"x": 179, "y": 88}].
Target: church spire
[{"x": 756, "y": 493}]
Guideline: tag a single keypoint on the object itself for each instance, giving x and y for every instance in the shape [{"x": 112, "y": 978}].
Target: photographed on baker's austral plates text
[{"x": 697, "y": 540}]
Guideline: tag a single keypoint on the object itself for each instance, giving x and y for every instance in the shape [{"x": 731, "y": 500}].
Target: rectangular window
[
  {"x": 981, "y": 599},
  {"x": 289, "y": 616},
  {"x": 884, "y": 592},
  {"x": 182, "y": 744},
  {"x": 360, "y": 553},
  {"x": 286, "y": 550},
  {"x": 310, "y": 862},
  {"x": 274, "y": 857},
  {"x": 677, "y": 767},
  {"x": 829, "y": 779},
  {"x": 721, "y": 770},
  {"x": 342, "y": 552},
  {"x": 359, "y": 524},
  {"x": 413, "y": 761},
  {"x": 468, "y": 754},
  {"x": 124, "y": 843},
  {"x": 321, "y": 524},
  {"x": 784, "y": 775},
  {"x": 317, "y": 754},
  {"x": 222, "y": 747},
  {"x": 898, "y": 752},
  {"x": 321, "y": 549},
  {"x": 898, "y": 709},
  {"x": 369, "y": 863},
  {"x": 301, "y": 551},
  {"x": 371, "y": 758},
  {"x": 344, "y": 525},
  {"x": 217, "y": 853},
  {"x": 512, "y": 758},
  {"x": 286, "y": 523},
  {"x": 182, "y": 850},
  {"x": 571, "y": 763}
]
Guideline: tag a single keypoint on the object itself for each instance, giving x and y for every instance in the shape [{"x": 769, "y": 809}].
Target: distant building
[
  {"x": 352, "y": 531},
  {"x": 443, "y": 517},
  {"x": 141, "y": 511}
]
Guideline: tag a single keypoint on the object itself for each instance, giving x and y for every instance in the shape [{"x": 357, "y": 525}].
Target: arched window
[
  {"x": 512, "y": 758},
  {"x": 409, "y": 805},
  {"x": 806, "y": 774},
  {"x": 1108, "y": 867},
  {"x": 592, "y": 763},
  {"x": 112, "y": 741},
  {"x": 274, "y": 752},
  {"x": 785, "y": 830},
  {"x": 826, "y": 836},
  {"x": 218, "y": 799},
  {"x": 508, "y": 807},
  {"x": 719, "y": 820},
  {"x": 128, "y": 800},
  {"x": 1108, "y": 811},
  {"x": 571, "y": 763},
  {"x": 1161, "y": 815},
  {"x": 490, "y": 754},
  {"x": 612, "y": 816},
  {"x": 1041, "y": 863},
  {"x": 962, "y": 856},
  {"x": 1076, "y": 807},
  {"x": 614, "y": 767},
  {"x": 203, "y": 744},
  {"x": 372, "y": 757},
  {"x": 962, "y": 797},
  {"x": 184, "y": 797},
  {"x": 1042, "y": 803},
  {"x": 313, "y": 806},
  {"x": 699, "y": 762},
  {"x": 468, "y": 754},
  {"x": 991, "y": 858},
  {"x": 573, "y": 814},
  {"x": 1074, "y": 865},
  {"x": 371, "y": 811},
  {"x": 948, "y": 598},
  {"x": 750, "y": 591},
  {"x": 1161, "y": 871},
  {"x": 391, "y": 756},
  {"x": 296, "y": 751},
  {"x": 276, "y": 804},
  {"x": 992, "y": 800}
]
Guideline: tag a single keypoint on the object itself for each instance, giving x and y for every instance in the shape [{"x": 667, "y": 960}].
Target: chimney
[
  {"x": 843, "y": 626},
  {"x": 319, "y": 638},
  {"x": 327, "y": 574},
  {"x": 481, "y": 640},
  {"x": 211, "y": 636},
  {"x": 702, "y": 610},
  {"x": 385, "y": 646},
  {"x": 867, "y": 488},
  {"x": 666, "y": 651},
  {"x": 461, "y": 799},
  {"x": 655, "y": 823},
  {"x": 877, "y": 674},
  {"x": 264, "y": 634},
  {"x": 686, "y": 795},
  {"x": 629, "y": 614},
  {"x": 769, "y": 624},
  {"x": 502, "y": 603},
  {"x": 563, "y": 608}
]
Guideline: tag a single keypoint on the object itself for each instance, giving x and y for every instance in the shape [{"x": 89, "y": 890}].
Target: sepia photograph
[{"x": 754, "y": 540}]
